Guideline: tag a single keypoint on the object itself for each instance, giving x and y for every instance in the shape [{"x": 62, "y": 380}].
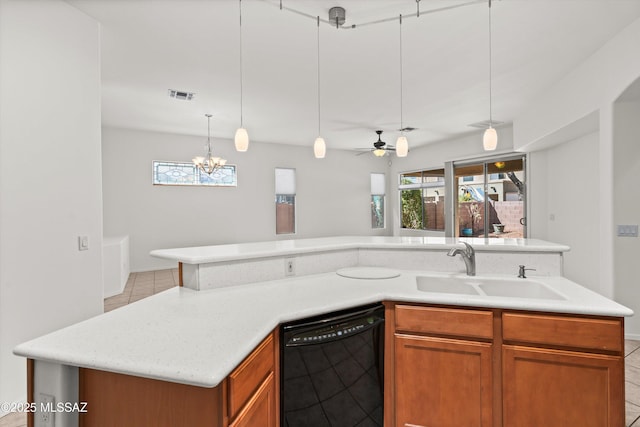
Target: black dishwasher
[{"x": 332, "y": 369}]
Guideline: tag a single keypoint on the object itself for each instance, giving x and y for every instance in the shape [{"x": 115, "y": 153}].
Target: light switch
[
  {"x": 83, "y": 243},
  {"x": 628, "y": 230}
]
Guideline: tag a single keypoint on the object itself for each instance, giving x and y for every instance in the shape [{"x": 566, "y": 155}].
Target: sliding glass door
[{"x": 491, "y": 198}]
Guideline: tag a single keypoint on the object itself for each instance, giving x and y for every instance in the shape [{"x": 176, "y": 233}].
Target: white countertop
[
  {"x": 220, "y": 253},
  {"x": 199, "y": 337}
]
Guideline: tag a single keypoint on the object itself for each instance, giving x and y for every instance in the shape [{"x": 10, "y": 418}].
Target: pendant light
[
  {"x": 209, "y": 164},
  {"x": 490, "y": 137},
  {"x": 242, "y": 137},
  {"x": 402, "y": 145},
  {"x": 319, "y": 146}
]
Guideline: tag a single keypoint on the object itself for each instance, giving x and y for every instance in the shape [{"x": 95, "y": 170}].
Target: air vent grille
[{"x": 180, "y": 94}]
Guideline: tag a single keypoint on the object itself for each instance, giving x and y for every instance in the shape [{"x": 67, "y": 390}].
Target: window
[
  {"x": 422, "y": 198},
  {"x": 183, "y": 173},
  {"x": 491, "y": 198},
  {"x": 285, "y": 201},
  {"x": 377, "y": 200}
]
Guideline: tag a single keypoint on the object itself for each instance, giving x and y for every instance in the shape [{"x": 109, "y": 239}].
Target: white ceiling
[{"x": 150, "y": 46}]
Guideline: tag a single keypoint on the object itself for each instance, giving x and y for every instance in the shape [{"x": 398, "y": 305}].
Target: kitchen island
[{"x": 199, "y": 338}]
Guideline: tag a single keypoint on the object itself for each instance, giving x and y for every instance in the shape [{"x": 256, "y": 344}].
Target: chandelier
[{"x": 208, "y": 164}]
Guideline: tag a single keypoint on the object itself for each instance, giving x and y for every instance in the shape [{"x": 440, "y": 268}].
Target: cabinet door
[
  {"x": 554, "y": 388},
  {"x": 260, "y": 411},
  {"x": 442, "y": 382}
]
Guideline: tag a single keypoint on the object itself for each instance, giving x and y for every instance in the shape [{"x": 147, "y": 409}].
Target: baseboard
[{"x": 635, "y": 337}]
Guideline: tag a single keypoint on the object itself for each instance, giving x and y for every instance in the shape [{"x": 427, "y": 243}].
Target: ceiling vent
[
  {"x": 485, "y": 124},
  {"x": 179, "y": 94}
]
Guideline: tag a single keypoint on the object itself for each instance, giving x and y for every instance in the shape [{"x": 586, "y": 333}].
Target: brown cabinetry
[
  {"x": 449, "y": 366},
  {"x": 246, "y": 398},
  {"x": 443, "y": 367},
  {"x": 560, "y": 371}
]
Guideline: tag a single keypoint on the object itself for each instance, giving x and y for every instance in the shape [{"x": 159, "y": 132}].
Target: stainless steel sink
[{"x": 487, "y": 286}]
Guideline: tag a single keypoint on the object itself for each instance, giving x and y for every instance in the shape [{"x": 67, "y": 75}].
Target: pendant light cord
[
  {"x": 401, "y": 87},
  {"x": 241, "y": 76},
  {"x": 209, "y": 136},
  {"x": 319, "y": 76},
  {"x": 490, "y": 73}
]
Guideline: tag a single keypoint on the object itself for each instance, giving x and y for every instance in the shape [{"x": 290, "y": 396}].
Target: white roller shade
[
  {"x": 285, "y": 181},
  {"x": 377, "y": 184}
]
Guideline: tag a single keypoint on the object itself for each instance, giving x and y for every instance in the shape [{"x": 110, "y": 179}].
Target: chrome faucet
[{"x": 468, "y": 256}]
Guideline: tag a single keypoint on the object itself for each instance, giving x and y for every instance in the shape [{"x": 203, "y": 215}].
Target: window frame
[
  {"x": 197, "y": 174},
  {"x": 290, "y": 198}
]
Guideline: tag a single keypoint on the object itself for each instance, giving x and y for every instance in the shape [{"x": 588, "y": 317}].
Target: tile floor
[{"x": 141, "y": 285}]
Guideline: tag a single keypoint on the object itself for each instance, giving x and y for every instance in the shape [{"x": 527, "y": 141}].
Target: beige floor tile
[
  {"x": 135, "y": 298},
  {"x": 632, "y": 413},
  {"x": 632, "y": 393},
  {"x": 630, "y": 346},
  {"x": 111, "y": 307},
  {"x": 14, "y": 419},
  {"x": 633, "y": 359},
  {"x": 141, "y": 292},
  {"x": 163, "y": 288},
  {"x": 146, "y": 275},
  {"x": 117, "y": 299},
  {"x": 632, "y": 374}
]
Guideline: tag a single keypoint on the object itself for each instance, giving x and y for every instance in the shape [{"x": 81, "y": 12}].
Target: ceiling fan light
[
  {"x": 402, "y": 146},
  {"x": 319, "y": 148},
  {"x": 241, "y": 140},
  {"x": 379, "y": 152},
  {"x": 490, "y": 139}
]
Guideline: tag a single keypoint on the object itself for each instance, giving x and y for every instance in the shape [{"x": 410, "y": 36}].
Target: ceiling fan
[{"x": 380, "y": 148}]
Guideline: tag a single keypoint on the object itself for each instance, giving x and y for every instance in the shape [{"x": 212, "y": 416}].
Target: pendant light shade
[
  {"x": 490, "y": 139},
  {"x": 402, "y": 146},
  {"x": 242, "y": 140},
  {"x": 319, "y": 148}
]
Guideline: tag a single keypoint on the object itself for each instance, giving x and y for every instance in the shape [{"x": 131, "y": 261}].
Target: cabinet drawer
[
  {"x": 247, "y": 377},
  {"x": 444, "y": 321},
  {"x": 564, "y": 331}
]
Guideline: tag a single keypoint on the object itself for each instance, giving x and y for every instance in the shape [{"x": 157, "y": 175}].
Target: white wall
[
  {"x": 566, "y": 205},
  {"x": 591, "y": 87},
  {"x": 627, "y": 207},
  {"x": 333, "y": 194},
  {"x": 50, "y": 176}
]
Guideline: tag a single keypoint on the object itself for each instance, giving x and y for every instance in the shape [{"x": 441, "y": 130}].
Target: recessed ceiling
[{"x": 151, "y": 46}]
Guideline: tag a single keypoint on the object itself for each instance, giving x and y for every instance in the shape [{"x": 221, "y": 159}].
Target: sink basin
[
  {"x": 487, "y": 286},
  {"x": 447, "y": 285},
  {"x": 520, "y": 288}
]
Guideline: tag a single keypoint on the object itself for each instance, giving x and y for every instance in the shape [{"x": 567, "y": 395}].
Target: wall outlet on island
[
  {"x": 289, "y": 267},
  {"x": 46, "y": 411}
]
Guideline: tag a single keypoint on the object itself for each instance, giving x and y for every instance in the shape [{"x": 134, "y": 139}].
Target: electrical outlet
[
  {"x": 289, "y": 267},
  {"x": 627, "y": 230},
  {"x": 46, "y": 411}
]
